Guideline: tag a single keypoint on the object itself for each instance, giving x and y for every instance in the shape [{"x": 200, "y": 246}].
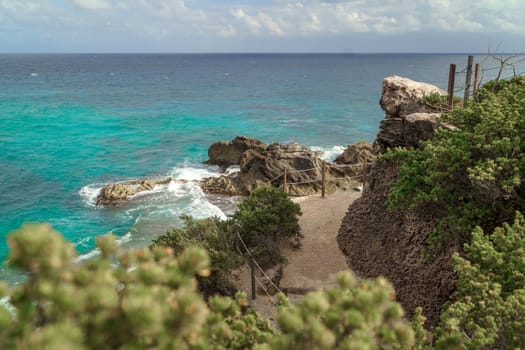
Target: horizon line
[{"x": 259, "y": 53}]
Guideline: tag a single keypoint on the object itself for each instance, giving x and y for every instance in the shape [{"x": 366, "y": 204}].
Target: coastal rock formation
[
  {"x": 402, "y": 96},
  {"x": 356, "y": 154},
  {"x": 228, "y": 153},
  {"x": 408, "y": 119},
  {"x": 266, "y": 166},
  {"x": 115, "y": 193},
  {"x": 393, "y": 243},
  {"x": 379, "y": 242}
]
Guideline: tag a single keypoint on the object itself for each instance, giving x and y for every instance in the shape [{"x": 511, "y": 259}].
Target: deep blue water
[{"x": 70, "y": 123}]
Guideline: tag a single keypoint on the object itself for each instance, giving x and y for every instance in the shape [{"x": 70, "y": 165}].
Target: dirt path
[{"x": 317, "y": 262}]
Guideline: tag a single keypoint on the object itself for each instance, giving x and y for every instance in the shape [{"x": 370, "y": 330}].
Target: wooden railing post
[
  {"x": 285, "y": 189},
  {"x": 476, "y": 79},
  {"x": 323, "y": 180},
  {"x": 451, "y": 81},
  {"x": 365, "y": 161},
  {"x": 467, "y": 80},
  {"x": 252, "y": 273}
]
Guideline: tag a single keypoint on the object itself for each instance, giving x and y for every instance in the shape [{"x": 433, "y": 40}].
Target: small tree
[{"x": 265, "y": 218}]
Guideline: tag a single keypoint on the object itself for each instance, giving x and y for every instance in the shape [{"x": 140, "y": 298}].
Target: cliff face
[{"x": 378, "y": 242}]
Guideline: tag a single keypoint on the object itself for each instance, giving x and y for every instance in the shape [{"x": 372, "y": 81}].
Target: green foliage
[
  {"x": 472, "y": 174},
  {"x": 439, "y": 103},
  {"x": 489, "y": 306},
  {"x": 354, "y": 315},
  {"x": 265, "y": 218},
  {"x": 218, "y": 239},
  {"x": 149, "y": 300}
]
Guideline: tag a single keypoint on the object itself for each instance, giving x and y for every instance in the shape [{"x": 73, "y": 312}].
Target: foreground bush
[
  {"x": 354, "y": 315},
  {"x": 489, "y": 307},
  {"x": 218, "y": 239},
  {"x": 149, "y": 301}
]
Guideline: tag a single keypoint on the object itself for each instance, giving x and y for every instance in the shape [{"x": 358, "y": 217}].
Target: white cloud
[
  {"x": 171, "y": 21},
  {"x": 93, "y": 4}
]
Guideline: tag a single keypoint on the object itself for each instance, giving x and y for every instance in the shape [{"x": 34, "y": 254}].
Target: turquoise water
[{"x": 72, "y": 123}]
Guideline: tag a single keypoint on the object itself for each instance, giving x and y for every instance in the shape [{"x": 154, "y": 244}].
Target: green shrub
[
  {"x": 473, "y": 174},
  {"x": 354, "y": 315},
  {"x": 148, "y": 301},
  {"x": 264, "y": 220},
  {"x": 489, "y": 304},
  {"x": 217, "y": 238}
]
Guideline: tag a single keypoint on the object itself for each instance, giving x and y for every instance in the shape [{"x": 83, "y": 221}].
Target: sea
[{"x": 71, "y": 123}]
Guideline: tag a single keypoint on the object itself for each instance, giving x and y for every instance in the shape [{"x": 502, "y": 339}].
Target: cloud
[
  {"x": 203, "y": 21},
  {"x": 93, "y": 4}
]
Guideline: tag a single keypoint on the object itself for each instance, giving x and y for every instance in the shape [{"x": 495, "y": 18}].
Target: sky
[{"x": 350, "y": 26}]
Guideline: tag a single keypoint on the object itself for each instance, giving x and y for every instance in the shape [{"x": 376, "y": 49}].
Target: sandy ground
[{"x": 317, "y": 262}]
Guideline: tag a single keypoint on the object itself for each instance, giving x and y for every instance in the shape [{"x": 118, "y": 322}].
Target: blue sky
[{"x": 262, "y": 26}]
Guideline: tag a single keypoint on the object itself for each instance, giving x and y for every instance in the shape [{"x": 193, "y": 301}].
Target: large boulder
[
  {"x": 228, "y": 153},
  {"x": 115, "y": 193},
  {"x": 408, "y": 119},
  {"x": 402, "y": 96}
]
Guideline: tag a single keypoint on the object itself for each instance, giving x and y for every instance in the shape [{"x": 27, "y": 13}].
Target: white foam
[
  {"x": 232, "y": 169},
  {"x": 193, "y": 173},
  {"x": 90, "y": 192},
  {"x": 96, "y": 252},
  {"x": 33, "y": 74},
  {"x": 329, "y": 153}
]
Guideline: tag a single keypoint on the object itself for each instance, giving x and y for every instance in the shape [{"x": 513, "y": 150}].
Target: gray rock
[
  {"x": 408, "y": 120},
  {"x": 228, "y": 153},
  {"x": 115, "y": 193}
]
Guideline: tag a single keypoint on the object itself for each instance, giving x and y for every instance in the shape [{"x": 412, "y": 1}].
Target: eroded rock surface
[
  {"x": 408, "y": 119},
  {"x": 266, "y": 166},
  {"x": 228, "y": 153},
  {"x": 115, "y": 193}
]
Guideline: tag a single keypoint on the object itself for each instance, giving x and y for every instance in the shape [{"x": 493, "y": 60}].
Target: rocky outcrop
[
  {"x": 228, "y": 153},
  {"x": 356, "y": 155},
  {"x": 393, "y": 243},
  {"x": 408, "y": 119},
  {"x": 115, "y": 193},
  {"x": 380, "y": 242},
  {"x": 257, "y": 167}
]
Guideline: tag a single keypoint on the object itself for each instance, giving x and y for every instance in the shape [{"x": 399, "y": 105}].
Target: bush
[
  {"x": 473, "y": 174},
  {"x": 354, "y": 315},
  {"x": 149, "y": 301},
  {"x": 217, "y": 238},
  {"x": 489, "y": 306},
  {"x": 265, "y": 219}
]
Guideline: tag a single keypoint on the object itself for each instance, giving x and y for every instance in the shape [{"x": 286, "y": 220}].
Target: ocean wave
[
  {"x": 330, "y": 152},
  {"x": 90, "y": 192},
  {"x": 96, "y": 252}
]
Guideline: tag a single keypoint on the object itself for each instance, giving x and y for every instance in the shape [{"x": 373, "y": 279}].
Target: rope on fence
[
  {"x": 300, "y": 171},
  {"x": 351, "y": 166},
  {"x": 255, "y": 261},
  {"x": 344, "y": 178},
  {"x": 275, "y": 178},
  {"x": 304, "y": 182}
]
